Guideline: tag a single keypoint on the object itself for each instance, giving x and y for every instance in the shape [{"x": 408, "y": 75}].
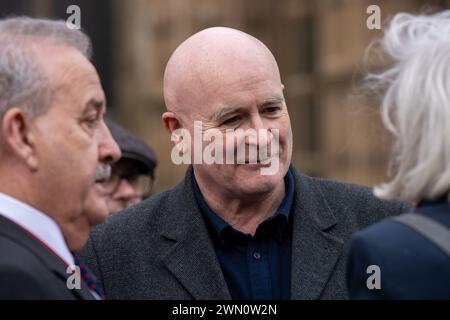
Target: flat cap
[{"x": 132, "y": 147}]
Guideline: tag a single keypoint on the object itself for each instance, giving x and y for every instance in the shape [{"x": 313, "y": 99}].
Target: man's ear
[
  {"x": 18, "y": 136},
  {"x": 172, "y": 124},
  {"x": 170, "y": 121}
]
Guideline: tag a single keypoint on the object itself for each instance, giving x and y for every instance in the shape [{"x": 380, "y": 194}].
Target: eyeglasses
[{"x": 141, "y": 183}]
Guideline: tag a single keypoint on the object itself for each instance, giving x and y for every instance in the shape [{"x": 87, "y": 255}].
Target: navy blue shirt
[{"x": 255, "y": 267}]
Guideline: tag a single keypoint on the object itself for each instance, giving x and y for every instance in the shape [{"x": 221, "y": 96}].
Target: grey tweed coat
[{"x": 160, "y": 248}]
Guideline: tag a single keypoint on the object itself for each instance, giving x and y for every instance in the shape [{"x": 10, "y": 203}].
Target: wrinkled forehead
[
  {"x": 65, "y": 64},
  {"x": 236, "y": 83},
  {"x": 69, "y": 72}
]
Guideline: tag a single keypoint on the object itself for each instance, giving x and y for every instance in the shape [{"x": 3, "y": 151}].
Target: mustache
[{"x": 102, "y": 173}]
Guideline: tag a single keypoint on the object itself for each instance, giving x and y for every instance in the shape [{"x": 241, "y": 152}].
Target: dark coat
[
  {"x": 161, "y": 249},
  {"x": 29, "y": 270},
  {"x": 411, "y": 266}
]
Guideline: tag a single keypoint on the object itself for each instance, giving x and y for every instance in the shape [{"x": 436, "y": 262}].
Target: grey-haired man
[{"x": 54, "y": 148}]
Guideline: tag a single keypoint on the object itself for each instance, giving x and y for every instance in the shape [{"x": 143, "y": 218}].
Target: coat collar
[
  {"x": 49, "y": 259},
  {"x": 315, "y": 251},
  {"x": 192, "y": 259}
]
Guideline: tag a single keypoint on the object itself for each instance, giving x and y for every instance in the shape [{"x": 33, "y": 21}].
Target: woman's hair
[{"x": 415, "y": 105}]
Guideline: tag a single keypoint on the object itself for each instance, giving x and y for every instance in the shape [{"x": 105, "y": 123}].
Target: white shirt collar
[{"x": 37, "y": 223}]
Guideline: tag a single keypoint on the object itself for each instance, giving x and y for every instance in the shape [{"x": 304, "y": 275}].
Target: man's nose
[
  {"x": 263, "y": 134},
  {"x": 109, "y": 150}
]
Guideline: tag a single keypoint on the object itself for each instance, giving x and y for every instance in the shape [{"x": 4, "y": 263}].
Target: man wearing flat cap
[{"x": 133, "y": 175}]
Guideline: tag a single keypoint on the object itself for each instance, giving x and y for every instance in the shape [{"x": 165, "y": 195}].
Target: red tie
[{"x": 89, "y": 278}]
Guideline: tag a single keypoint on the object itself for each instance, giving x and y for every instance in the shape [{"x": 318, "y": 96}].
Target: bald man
[{"x": 229, "y": 231}]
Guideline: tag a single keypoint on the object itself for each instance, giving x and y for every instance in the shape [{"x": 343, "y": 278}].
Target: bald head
[
  {"x": 225, "y": 81},
  {"x": 210, "y": 60}
]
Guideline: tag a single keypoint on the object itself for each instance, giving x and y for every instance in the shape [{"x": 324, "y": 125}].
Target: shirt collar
[
  {"x": 37, "y": 223},
  {"x": 215, "y": 221},
  {"x": 286, "y": 205},
  {"x": 218, "y": 225}
]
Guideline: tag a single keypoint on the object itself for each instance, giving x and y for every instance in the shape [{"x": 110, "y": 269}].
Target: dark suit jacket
[
  {"x": 160, "y": 248},
  {"x": 411, "y": 266},
  {"x": 28, "y": 270}
]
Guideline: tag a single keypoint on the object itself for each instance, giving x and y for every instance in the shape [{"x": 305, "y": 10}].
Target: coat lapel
[
  {"x": 315, "y": 251},
  {"x": 81, "y": 294},
  {"x": 51, "y": 261},
  {"x": 191, "y": 258}
]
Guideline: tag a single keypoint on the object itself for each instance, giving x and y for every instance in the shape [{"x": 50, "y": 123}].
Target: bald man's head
[
  {"x": 208, "y": 61},
  {"x": 223, "y": 80}
]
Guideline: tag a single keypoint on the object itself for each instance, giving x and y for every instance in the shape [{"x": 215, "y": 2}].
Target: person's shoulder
[
  {"x": 389, "y": 234},
  {"x": 353, "y": 200},
  {"x": 21, "y": 267},
  {"x": 19, "y": 281},
  {"x": 354, "y": 194},
  {"x": 396, "y": 244},
  {"x": 411, "y": 266},
  {"x": 386, "y": 231},
  {"x": 338, "y": 189},
  {"x": 381, "y": 244},
  {"x": 141, "y": 218},
  {"x": 13, "y": 253},
  {"x": 134, "y": 232}
]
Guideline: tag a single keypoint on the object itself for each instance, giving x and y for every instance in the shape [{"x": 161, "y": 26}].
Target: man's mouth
[
  {"x": 260, "y": 161},
  {"x": 100, "y": 180}
]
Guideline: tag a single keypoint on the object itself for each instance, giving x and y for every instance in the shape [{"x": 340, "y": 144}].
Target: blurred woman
[{"x": 408, "y": 257}]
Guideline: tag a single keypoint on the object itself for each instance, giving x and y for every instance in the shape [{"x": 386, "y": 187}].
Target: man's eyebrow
[
  {"x": 222, "y": 113},
  {"x": 95, "y": 104},
  {"x": 271, "y": 100}
]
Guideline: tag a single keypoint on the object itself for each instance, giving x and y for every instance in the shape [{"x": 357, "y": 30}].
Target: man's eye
[
  {"x": 232, "y": 121},
  {"x": 91, "y": 121},
  {"x": 271, "y": 110}
]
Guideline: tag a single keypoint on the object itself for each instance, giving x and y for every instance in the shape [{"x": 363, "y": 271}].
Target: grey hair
[
  {"x": 415, "y": 106},
  {"x": 22, "y": 82}
]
